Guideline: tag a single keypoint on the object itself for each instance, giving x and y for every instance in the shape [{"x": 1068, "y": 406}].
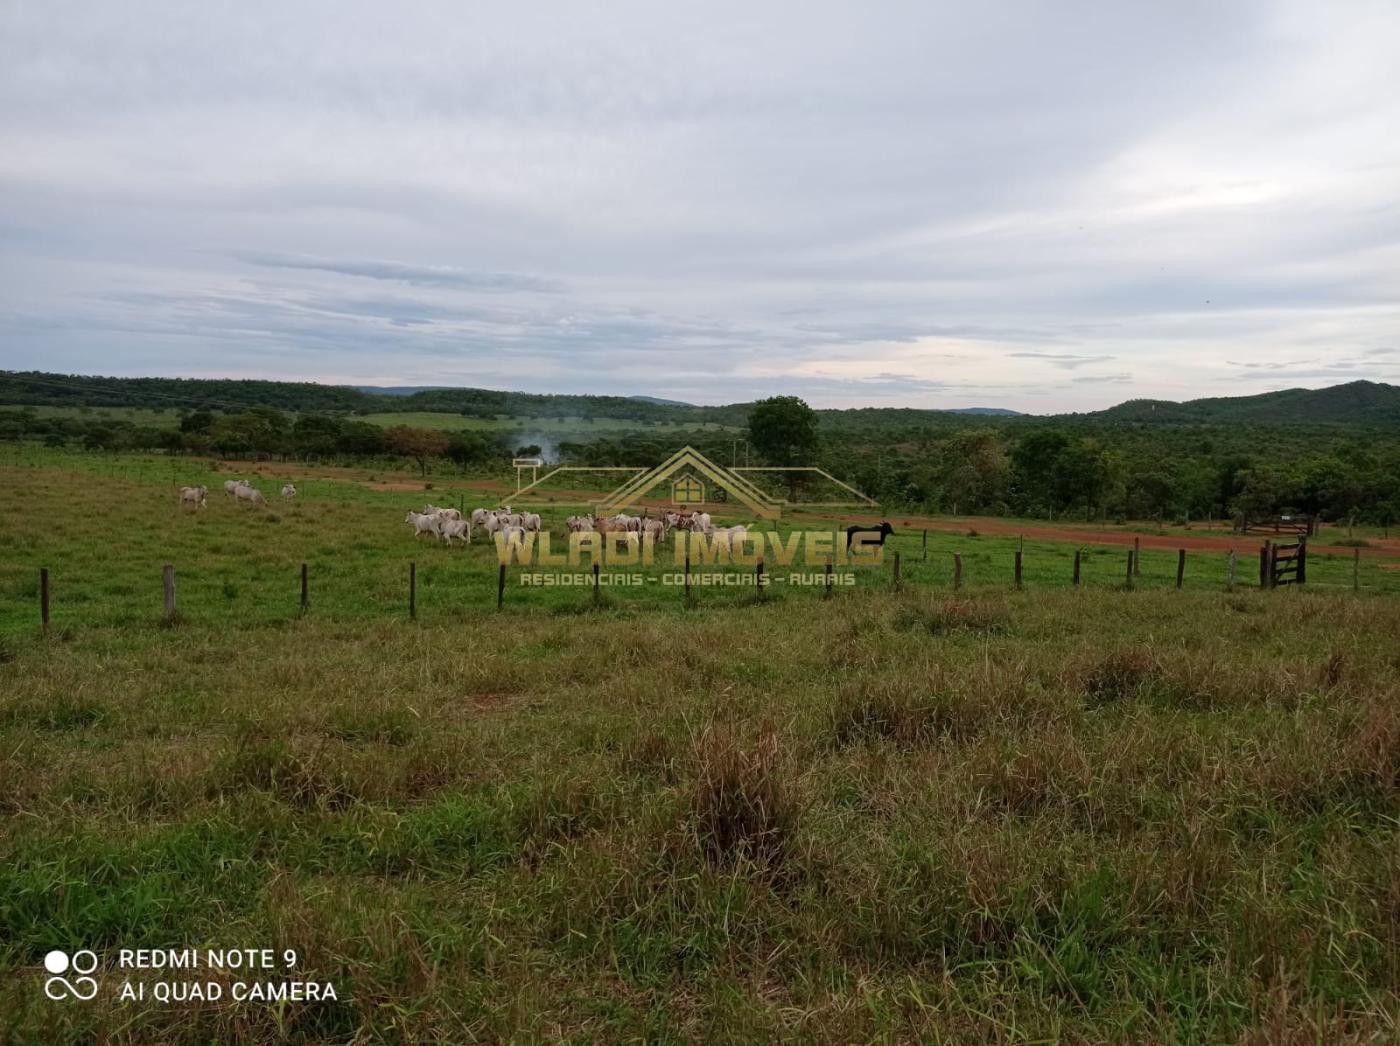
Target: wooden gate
[{"x": 1284, "y": 564}]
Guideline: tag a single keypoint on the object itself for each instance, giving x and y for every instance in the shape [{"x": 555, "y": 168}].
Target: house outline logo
[
  {"x": 632, "y": 491},
  {"x": 687, "y": 491},
  {"x": 701, "y": 470}
]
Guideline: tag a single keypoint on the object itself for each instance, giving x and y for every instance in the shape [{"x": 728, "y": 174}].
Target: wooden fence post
[
  {"x": 758, "y": 578},
  {"x": 925, "y": 544},
  {"x": 896, "y": 570},
  {"x": 687, "y": 577},
  {"x": 597, "y": 588},
  {"x": 1303, "y": 561},
  {"x": 1076, "y": 567},
  {"x": 168, "y": 576},
  {"x": 1018, "y": 568},
  {"x": 1356, "y": 570},
  {"x": 1264, "y": 565},
  {"x": 827, "y": 593},
  {"x": 1132, "y": 562},
  {"x": 1230, "y": 572},
  {"x": 1180, "y": 566},
  {"x": 1137, "y": 557},
  {"x": 305, "y": 591},
  {"x": 44, "y": 597},
  {"x": 957, "y": 570},
  {"x": 501, "y": 588},
  {"x": 413, "y": 590}
]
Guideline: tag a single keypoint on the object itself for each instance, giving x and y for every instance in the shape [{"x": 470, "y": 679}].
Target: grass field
[{"x": 897, "y": 814}]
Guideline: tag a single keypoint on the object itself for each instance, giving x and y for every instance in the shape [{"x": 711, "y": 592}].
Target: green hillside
[{"x": 1355, "y": 403}]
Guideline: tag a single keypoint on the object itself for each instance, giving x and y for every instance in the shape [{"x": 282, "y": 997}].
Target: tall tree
[{"x": 783, "y": 430}]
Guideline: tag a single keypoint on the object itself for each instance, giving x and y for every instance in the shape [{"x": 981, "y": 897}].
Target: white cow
[
  {"x": 493, "y": 522},
  {"x": 530, "y": 521},
  {"x": 479, "y": 515},
  {"x": 252, "y": 495},
  {"x": 422, "y": 523},
  {"x": 289, "y": 491},
  {"x": 512, "y": 531},
  {"x": 445, "y": 513},
  {"x": 655, "y": 527},
  {"x": 731, "y": 532},
  {"x": 193, "y": 496},
  {"x": 579, "y": 524},
  {"x": 454, "y": 528},
  {"x": 231, "y": 486},
  {"x": 511, "y": 519},
  {"x": 700, "y": 523}
]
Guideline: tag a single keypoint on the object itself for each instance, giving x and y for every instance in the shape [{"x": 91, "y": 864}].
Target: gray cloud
[
  {"x": 1052, "y": 211},
  {"x": 1063, "y": 360},
  {"x": 398, "y": 272}
]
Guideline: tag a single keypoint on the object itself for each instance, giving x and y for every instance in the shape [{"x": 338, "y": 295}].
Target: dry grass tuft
[
  {"x": 1120, "y": 675},
  {"x": 902, "y": 712},
  {"x": 742, "y": 808},
  {"x": 949, "y": 616}
]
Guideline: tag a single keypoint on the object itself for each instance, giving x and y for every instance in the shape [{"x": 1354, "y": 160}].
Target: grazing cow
[
  {"x": 252, "y": 495},
  {"x": 883, "y": 531},
  {"x": 512, "y": 519},
  {"x": 193, "y": 496},
  {"x": 530, "y": 521},
  {"x": 422, "y": 523},
  {"x": 454, "y": 528},
  {"x": 699, "y": 522},
  {"x": 289, "y": 491},
  {"x": 479, "y": 516},
  {"x": 737, "y": 531},
  {"x": 231, "y": 486},
  {"x": 493, "y": 522},
  {"x": 512, "y": 532},
  {"x": 579, "y": 524},
  {"x": 655, "y": 527}
]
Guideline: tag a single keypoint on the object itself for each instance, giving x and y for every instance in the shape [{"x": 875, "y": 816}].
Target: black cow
[{"x": 883, "y": 531}]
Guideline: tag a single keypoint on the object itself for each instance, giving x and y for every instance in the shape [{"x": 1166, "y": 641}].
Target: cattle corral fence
[
  {"x": 1280, "y": 565},
  {"x": 1303, "y": 526}
]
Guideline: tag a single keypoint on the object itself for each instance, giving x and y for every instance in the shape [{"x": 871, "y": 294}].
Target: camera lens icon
[{"x": 82, "y": 962}]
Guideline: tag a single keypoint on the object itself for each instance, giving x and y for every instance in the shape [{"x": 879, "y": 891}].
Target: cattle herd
[
  {"x": 240, "y": 490},
  {"x": 447, "y": 523}
]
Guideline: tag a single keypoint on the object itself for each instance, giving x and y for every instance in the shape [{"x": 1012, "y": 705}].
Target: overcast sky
[{"x": 1047, "y": 207}]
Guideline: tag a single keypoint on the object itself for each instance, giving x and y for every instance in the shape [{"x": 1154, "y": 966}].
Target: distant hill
[
  {"x": 399, "y": 390},
  {"x": 1367, "y": 403}
]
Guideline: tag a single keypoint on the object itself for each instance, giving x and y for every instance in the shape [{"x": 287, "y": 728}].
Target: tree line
[{"x": 1053, "y": 470}]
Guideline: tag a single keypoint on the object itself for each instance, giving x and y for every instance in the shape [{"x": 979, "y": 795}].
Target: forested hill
[
  {"x": 1360, "y": 403},
  {"x": 1365, "y": 404}
]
